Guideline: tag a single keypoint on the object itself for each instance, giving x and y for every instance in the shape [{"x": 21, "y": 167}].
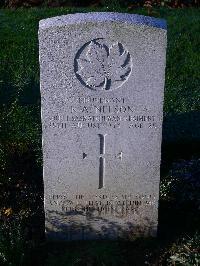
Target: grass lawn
[{"x": 21, "y": 157}]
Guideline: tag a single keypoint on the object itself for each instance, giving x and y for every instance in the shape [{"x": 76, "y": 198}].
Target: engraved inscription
[
  {"x": 103, "y": 113},
  {"x": 81, "y": 121},
  {"x": 102, "y": 66},
  {"x": 103, "y": 205}
]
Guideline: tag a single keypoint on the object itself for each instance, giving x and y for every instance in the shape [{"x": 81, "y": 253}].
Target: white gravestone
[{"x": 102, "y": 87}]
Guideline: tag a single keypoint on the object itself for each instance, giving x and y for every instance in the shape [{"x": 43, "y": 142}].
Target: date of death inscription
[
  {"x": 99, "y": 113},
  {"x": 102, "y": 205}
]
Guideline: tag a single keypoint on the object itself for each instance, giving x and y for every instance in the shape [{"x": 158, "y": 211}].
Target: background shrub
[
  {"x": 110, "y": 4},
  {"x": 184, "y": 252}
]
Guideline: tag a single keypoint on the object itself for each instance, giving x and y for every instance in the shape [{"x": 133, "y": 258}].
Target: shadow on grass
[
  {"x": 26, "y": 90},
  {"x": 181, "y": 138}
]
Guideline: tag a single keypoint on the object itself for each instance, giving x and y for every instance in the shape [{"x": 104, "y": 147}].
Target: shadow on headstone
[{"x": 65, "y": 230}]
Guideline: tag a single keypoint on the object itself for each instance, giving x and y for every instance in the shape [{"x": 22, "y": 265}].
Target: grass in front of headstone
[{"x": 20, "y": 150}]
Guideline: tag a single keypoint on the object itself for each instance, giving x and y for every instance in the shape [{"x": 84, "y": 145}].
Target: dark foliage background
[{"x": 100, "y": 3}]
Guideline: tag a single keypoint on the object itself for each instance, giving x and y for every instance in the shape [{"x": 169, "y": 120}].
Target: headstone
[{"x": 102, "y": 87}]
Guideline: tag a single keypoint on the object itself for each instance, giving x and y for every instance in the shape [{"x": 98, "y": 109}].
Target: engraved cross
[{"x": 102, "y": 160}]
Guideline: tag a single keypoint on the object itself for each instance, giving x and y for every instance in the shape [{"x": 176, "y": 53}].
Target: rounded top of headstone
[{"x": 102, "y": 17}]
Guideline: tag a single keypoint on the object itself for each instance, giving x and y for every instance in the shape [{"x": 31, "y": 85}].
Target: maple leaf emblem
[{"x": 103, "y": 67}]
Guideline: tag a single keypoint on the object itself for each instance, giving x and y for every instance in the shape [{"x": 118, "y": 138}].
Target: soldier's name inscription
[{"x": 100, "y": 113}]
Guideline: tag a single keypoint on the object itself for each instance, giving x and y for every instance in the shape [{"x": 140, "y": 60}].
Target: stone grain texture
[{"x": 102, "y": 89}]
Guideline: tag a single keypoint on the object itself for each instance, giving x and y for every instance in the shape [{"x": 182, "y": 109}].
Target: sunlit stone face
[{"x": 102, "y": 84}]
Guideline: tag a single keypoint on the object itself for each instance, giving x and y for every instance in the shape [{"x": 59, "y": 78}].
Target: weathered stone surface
[{"x": 102, "y": 86}]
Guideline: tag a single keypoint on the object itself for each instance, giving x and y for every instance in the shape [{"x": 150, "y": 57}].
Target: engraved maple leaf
[{"x": 104, "y": 67}]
